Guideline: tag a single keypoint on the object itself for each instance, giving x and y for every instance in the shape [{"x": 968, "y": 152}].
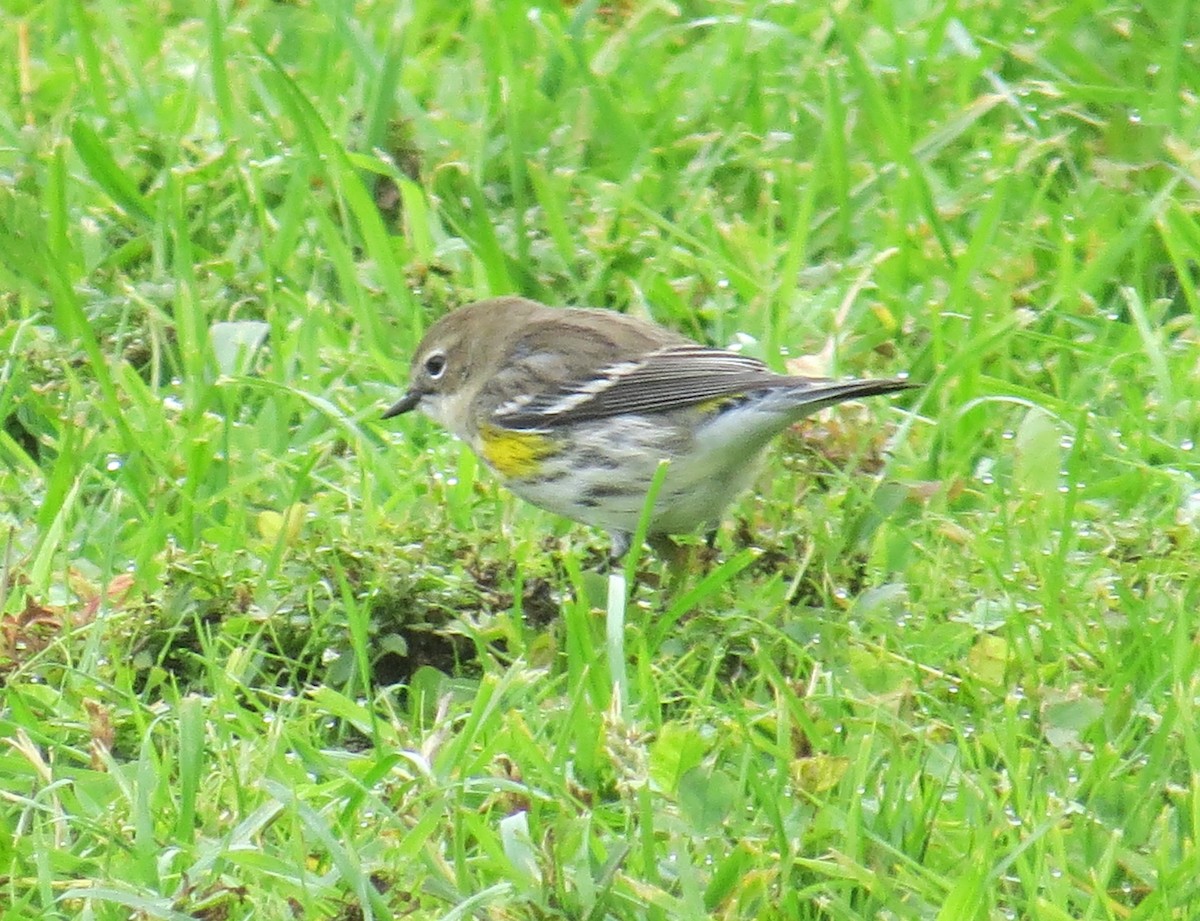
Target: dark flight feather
[{"x": 674, "y": 378}]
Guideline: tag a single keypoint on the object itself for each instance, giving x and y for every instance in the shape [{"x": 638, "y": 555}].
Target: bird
[{"x": 575, "y": 408}]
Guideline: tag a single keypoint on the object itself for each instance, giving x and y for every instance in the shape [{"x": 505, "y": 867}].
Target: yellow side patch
[
  {"x": 514, "y": 454},
  {"x": 716, "y": 404}
]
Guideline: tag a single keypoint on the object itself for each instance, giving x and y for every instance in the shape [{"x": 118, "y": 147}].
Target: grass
[{"x": 265, "y": 656}]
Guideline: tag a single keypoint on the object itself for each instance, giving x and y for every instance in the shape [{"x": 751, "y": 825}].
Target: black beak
[{"x": 406, "y": 403}]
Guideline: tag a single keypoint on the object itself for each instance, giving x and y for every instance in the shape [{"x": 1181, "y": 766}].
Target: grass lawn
[{"x": 266, "y": 656}]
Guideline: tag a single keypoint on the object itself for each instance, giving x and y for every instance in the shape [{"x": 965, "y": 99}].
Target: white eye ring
[{"x": 435, "y": 365}]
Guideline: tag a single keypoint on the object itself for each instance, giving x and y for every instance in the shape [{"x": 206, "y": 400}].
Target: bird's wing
[{"x": 669, "y": 378}]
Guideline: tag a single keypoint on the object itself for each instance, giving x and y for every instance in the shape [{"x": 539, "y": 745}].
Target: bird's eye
[{"x": 435, "y": 365}]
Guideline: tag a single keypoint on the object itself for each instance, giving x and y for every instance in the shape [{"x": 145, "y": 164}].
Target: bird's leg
[{"x": 619, "y": 546}]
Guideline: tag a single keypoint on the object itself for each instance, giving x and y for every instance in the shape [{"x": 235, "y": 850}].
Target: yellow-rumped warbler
[{"x": 574, "y": 409}]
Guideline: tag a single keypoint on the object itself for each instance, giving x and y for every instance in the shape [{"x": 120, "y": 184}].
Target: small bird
[{"x": 575, "y": 408}]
